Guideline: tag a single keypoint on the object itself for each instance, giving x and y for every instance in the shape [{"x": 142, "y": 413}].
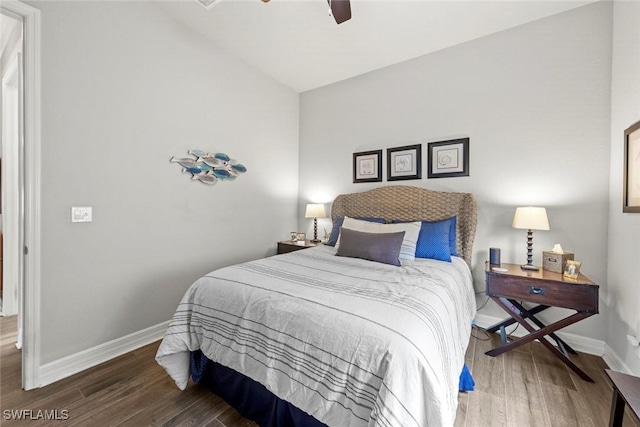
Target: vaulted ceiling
[{"x": 300, "y": 45}]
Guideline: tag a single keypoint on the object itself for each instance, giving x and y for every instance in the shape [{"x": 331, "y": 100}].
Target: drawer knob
[{"x": 536, "y": 291}]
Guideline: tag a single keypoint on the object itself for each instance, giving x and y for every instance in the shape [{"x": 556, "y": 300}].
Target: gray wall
[
  {"x": 125, "y": 88},
  {"x": 624, "y": 228},
  {"x": 535, "y": 101}
]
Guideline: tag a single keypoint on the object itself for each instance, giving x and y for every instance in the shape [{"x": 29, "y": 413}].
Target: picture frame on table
[
  {"x": 448, "y": 158},
  {"x": 404, "y": 162},
  {"x": 631, "y": 170},
  {"x": 572, "y": 269},
  {"x": 367, "y": 166}
]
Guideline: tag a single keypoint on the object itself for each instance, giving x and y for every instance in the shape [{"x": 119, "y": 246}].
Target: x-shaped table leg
[
  {"x": 540, "y": 334},
  {"x": 528, "y": 314}
]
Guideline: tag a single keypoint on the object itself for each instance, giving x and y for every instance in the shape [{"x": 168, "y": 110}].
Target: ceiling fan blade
[{"x": 341, "y": 10}]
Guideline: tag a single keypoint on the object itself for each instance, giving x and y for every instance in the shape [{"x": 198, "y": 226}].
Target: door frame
[{"x": 30, "y": 309}]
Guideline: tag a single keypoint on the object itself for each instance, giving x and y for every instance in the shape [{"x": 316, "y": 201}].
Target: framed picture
[
  {"x": 404, "y": 162},
  {"x": 631, "y": 168},
  {"x": 448, "y": 158},
  {"x": 367, "y": 166},
  {"x": 301, "y": 237},
  {"x": 572, "y": 269}
]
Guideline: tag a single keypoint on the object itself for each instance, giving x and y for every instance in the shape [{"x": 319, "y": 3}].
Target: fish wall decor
[{"x": 209, "y": 168}]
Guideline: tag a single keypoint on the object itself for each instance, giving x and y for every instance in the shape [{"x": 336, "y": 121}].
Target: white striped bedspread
[{"x": 349, "y": 341}]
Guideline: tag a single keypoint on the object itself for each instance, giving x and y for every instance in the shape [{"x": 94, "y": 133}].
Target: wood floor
[
  {"x": 526, "y": 387},
  {"x": 529, "y": 386}
]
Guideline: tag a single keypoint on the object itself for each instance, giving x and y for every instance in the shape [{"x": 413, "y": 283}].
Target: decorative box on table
[{"x": 556, "y": 262}]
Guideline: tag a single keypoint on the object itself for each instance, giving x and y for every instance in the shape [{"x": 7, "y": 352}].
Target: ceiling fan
[{"x": 339, "y": 9}]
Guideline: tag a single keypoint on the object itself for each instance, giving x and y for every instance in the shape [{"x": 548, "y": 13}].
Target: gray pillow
[{"x": 378, "y": 247}]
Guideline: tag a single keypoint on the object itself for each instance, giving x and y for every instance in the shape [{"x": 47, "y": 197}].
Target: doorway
[
  {"x": 24, "y": 193},
  {"x": 12, "y": 134}
]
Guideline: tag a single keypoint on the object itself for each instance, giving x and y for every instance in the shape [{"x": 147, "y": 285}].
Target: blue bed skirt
[{"x": 253, "y": 401}]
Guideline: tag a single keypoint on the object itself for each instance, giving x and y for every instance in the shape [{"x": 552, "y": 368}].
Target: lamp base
[
  {"x": 315, "y": 240},
  {"x": 529, "y": 267}
]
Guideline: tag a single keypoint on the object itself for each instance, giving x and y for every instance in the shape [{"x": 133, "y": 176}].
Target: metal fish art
[
  {"x": 186, "y": 162},
  {"x": 209, "y": 168},
  {"x": 206, "y": 179}
]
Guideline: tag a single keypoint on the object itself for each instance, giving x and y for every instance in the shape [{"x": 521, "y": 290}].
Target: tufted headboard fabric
[{"x": 406, "y": 203}]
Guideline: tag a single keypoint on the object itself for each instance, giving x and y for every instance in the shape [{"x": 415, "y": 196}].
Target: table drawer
[
  {"x": 284, "y": 248},
  {"x": 575, "y": 296}
]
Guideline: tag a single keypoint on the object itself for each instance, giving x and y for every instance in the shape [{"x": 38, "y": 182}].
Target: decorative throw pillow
[
  {"x": 411, "y": 229},
  {"x": 335, "y": 230},
  {"x": 424, "y": 240},
  {"x": 453, "y": 235},
  {"x": 378, "y": 247},
  {"x": 433, "y": 241}
]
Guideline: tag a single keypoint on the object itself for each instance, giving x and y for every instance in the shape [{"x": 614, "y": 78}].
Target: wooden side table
[
  {"x": 287, "y": 246},
  {"x": 626, "y": 388},
  {"x": 547, "y": 289}
]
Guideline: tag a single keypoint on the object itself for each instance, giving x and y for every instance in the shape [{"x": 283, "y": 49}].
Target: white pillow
[
  {"x": 411, "y": 232},
  {"x": 360, "y": 225}
]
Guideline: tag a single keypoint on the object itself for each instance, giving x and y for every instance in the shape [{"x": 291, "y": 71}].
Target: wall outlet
[{"x": 81, "y": 214}]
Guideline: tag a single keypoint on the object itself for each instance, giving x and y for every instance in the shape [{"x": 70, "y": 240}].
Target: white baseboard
[
  {"x": 70, "y": 365},
  {"x": 614, "y": 361},
  {"x": 578, "y": 342}
]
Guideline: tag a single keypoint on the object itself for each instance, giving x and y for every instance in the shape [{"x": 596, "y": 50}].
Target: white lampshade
[
  {"x": 531, "y": 218},
  {"x": 315, "y": 210}
]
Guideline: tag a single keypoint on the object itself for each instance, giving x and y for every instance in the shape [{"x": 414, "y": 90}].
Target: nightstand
[
  {"x": 546, "y": 289},
  {"x": 626, "y": 389},
  {"x": 287, "y": 246}
]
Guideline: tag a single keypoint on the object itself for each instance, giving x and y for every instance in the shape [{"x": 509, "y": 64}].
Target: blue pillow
[
  {"x": 335, "y": 231},
  {"x": 452, "y": 235},
  {"x": 433, "y": 241}
]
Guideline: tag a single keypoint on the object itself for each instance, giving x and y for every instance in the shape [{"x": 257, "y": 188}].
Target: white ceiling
[{"x": 299, "y": 44}]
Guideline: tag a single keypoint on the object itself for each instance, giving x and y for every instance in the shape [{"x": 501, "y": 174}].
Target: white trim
[
  {"x": 578, "y": 342},
  {"x": 32, "y": 135},
  {"x": 615, "y": 362},
  {"x": 70, "y": 365}
]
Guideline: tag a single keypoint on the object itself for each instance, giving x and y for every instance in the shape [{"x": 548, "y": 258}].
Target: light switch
[{"x": 81, "y": 214}]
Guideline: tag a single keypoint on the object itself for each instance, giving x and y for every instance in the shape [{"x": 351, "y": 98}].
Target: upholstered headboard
[{"x": 407, "y": 203}]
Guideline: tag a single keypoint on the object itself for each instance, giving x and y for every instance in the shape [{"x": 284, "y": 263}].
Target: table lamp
[
  {"x": 315, "y": 211},
  {"x": 530, "y": 218}
]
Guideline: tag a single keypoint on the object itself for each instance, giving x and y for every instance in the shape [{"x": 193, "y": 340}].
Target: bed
[{"x": 311, "y": 338}]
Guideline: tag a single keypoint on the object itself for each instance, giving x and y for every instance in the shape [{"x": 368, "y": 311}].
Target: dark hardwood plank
[
  {"x": 166, "y": 407},
  {"x": 203, "y": 411},
  {"x": 231, "y": 417},
  {"x": 527, "y": 386}
]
